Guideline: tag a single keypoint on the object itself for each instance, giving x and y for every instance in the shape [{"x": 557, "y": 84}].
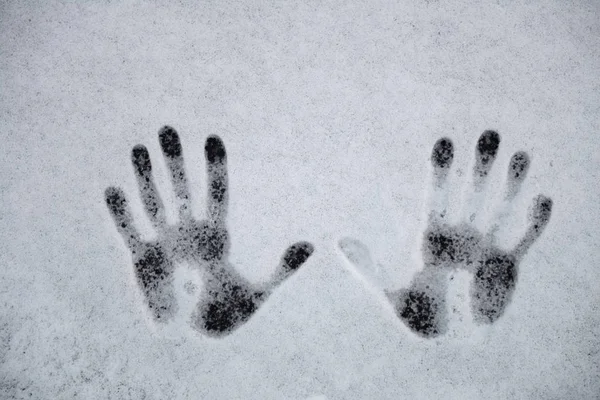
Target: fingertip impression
[
  {"x": 214, "y": 149},
  {"x": 443, "y": 153},
  {"x": 141, "y": 159},
  {"x": 519, "y": 165},
  {"x": 541, "y": 211},
  {"x": 355, "y": 251},
  {"x": 169, "y": 141},
  {"x": 297, "y": 254},
  {"x": 115, "y": 200},
  {"x": 486, "y": 150},
  {"x": 488, "y": 144}
]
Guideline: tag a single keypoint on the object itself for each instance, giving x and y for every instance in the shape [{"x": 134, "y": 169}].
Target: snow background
[{"x": 328, "y": 111}]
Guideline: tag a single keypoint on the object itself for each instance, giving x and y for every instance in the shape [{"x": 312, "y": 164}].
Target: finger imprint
[
  {"x": 485, "y": 154},
  {"x": 216, "y": 166},
  {"x": 293, "y": 258},
  {"x": 441, "y": 160},
  {"x": 149, "y": 194},
  {"x": 539, "y": 217},
  {"x": 171, "y": 147},
  {"x": 517, "y": 171},
  {"x": 117, "y": 205}
]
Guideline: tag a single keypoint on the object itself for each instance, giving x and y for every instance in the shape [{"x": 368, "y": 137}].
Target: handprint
[
  {"x": 445, "y": 246},
  {"x": 228, "y": 299}
]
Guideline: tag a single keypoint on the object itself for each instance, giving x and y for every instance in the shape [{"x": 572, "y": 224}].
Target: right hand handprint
[{"x": 228, "y": 300}]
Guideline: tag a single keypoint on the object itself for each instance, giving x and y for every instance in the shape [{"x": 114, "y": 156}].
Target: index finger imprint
[
  {"x": 517, "y": 171},
  {"x": 539, "y": 216}
]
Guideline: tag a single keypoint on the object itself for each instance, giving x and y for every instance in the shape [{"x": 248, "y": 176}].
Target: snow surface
[{"x": 328, "y": 111}]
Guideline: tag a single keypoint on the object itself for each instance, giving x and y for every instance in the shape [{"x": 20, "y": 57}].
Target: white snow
[{"x": 328, "y": 111}]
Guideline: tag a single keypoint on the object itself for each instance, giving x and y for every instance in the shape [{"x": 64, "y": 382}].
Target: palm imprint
[
  {"x": 446, "y": 246},
  {"x": 228, "y": 299}
]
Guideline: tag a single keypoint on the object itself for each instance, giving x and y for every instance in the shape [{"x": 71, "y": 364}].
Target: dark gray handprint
[
  {"x": 228, "y": 299},
  {"x": 446, "y": 246}
]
